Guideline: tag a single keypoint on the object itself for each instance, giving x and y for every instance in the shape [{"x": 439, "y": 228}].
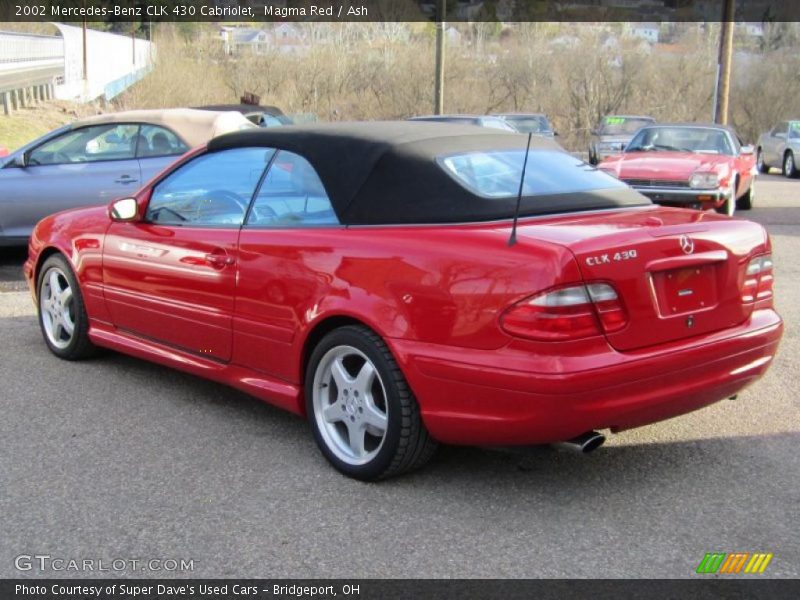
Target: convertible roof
[
  {"x": 386, "y": 172},
  {"x": 195, "y": 127}
]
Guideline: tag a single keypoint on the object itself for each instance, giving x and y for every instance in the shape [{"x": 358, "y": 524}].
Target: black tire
[
  {"x": 762, "y": 166},
  {"x": 789, "y": 165},
  {"x": 730, "y": 204},
  {"x": 746, "y": 202},
  {"x": 406, "y": 444},
  {"x": 75, "y": 346}
]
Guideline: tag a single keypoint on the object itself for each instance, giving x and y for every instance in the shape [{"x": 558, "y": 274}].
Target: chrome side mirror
[{"x": 124, "y": 210}]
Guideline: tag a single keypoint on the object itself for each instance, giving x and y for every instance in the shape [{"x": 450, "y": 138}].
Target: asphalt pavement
[{"x": 116, "y": 458}]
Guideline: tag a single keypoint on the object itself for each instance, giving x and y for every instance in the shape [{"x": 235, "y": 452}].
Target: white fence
[{"x": 113, "y": 62}]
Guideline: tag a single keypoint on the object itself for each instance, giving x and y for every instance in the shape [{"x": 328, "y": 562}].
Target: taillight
[
  {"x": 758, "y": 279},
  {"x": 566, "y": 313}
]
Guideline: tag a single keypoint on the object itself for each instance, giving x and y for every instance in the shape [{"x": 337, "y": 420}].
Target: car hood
[{"x": 669, "y": 165}]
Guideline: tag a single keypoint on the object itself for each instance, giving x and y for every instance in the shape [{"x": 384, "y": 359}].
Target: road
[{"x": 118, "y": 458}]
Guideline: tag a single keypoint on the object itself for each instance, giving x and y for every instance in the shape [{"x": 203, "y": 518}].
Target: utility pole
[
  {"x": 722, "y": 96},
  {"x": 85, "y": 55},
  {"x": 133, "y": 32},
  {"x": 438, "y": 94}
]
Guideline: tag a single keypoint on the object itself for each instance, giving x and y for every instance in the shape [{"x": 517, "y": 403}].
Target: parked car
[
  {"x": 690, "y": 165},
  {"x": 612, "y": 134},
  {"x": 394, "y": 300},
  {"x": 535, "y": 123},
  {"x": 94, "y": 160},
  {"x": 480, "y": 120},
  {"x": 263, "y": 116},
  {"x": 780, "y": 147}
]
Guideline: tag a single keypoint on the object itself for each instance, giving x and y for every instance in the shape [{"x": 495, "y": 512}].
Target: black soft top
[{"x": 387, "y": 173}]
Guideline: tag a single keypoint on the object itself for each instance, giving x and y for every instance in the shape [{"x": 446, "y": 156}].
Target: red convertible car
[
  {"x": 693, "y": 166},
  {"x": 403, "y": 284}
]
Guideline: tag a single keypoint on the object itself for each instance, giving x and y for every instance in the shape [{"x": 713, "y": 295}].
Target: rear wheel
[
  {"x": 762, "y": 166},
  {"x": 364, "y": 417},
  {"x": 789, "y": 166},
  {"x": 62, "y": 314}
]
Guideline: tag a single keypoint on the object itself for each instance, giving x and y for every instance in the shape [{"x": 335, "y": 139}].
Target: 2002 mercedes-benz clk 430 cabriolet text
[{"x": 365, "y": 275}]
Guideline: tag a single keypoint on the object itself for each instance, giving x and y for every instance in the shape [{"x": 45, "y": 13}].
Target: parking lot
[{"x": 117, "y": 458}]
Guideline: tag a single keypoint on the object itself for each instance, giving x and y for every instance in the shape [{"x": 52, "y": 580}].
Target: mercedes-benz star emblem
[{"x": 687, "y": 244}]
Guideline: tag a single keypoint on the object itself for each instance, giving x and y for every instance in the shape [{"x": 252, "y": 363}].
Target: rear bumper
[{"x": 466, "y": 398}]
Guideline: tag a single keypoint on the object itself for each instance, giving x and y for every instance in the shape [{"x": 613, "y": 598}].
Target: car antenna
[{"x": 512, "y": 239}]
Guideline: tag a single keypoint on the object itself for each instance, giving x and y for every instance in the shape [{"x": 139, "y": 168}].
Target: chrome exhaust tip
[{"x": 584, "y": 443}]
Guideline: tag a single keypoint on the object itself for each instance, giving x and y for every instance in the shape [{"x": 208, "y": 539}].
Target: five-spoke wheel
[
  {"x": 364, "y": 417},
  {"x": 62, "y": 316}
]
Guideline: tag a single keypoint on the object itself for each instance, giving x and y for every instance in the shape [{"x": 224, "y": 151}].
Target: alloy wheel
[
  {"x": 57, "y": 306},
  {"x": 350, "y": 405}
]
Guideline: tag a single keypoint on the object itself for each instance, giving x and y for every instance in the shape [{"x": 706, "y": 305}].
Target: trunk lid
[{"x": 679, "y": 273}]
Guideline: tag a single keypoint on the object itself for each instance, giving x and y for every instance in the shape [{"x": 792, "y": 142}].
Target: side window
[
  {"x": 292, "y": 195},
  {"x": 794, "y": 130},
  {"x": 213, "y": 189},
  {"x": 158, "y": 141},
  {"x": 88, "y": 144},
  {"x": 779, "y": 128}
]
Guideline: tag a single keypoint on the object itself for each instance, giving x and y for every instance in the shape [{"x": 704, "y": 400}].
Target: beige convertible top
[{"x": 195, "y": 127}]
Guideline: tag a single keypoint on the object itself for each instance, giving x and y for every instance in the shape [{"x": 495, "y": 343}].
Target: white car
[{"x": 780, "y": 147}]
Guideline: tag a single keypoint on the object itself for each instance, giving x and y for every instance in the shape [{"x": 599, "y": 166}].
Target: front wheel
[
  {"x": 62, "y": 314},
  {"x": 746, "y": 202},
  {"x": 729, "y": 206},
  {"x": 789, "y": 166},
  {"x": 363, "y": 415}
]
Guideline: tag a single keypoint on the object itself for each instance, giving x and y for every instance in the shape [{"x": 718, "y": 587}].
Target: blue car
[{"x": 94, "y": 160}]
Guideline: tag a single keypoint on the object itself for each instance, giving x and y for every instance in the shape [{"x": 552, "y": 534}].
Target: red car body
[
  {"x": 664, "y": 176},
  {"x": 438, "y": 295}
]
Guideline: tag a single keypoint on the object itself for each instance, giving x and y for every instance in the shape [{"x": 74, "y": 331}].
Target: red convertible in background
[
  {"x": 374, "y": 278},
  {"x": 693, "y": 166}
]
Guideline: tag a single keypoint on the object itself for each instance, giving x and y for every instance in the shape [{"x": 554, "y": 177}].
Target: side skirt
[{"x": 273, "y": 391}]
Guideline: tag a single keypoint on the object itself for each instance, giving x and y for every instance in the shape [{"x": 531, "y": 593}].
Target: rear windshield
[
  {"x": 497, "y": 173},
  {"x": 622, "y": 125},
  {"x": 530, "y": 124}
]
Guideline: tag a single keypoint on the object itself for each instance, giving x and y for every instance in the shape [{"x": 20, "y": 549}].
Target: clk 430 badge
[{"x": 602, "y": 259}]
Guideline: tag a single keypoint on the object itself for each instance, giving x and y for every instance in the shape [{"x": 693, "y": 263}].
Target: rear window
[
  {"x": 622, "y": 125},
  {"x": 497, "y": 173}
]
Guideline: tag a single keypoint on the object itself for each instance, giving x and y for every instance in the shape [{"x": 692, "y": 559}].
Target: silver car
[
  {"x": 94, "y": 160},
  {"x": 480, "y": 120},
  {"x": 612, "y": 135},
  {"x": 780, "y": 147}
]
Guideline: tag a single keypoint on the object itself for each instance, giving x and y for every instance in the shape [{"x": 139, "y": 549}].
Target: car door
[
  {"x": 80, "y": 167},
  {"x": 773, "y": 153},
  {"x": 158, "y": 148},
  {"x": 171, "y": 277},
  {"x": 285, "y": 266}
]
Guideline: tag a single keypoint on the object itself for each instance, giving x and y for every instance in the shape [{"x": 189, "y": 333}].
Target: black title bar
[
  {"x": 386, "y": 589},
  {"x": 393, "y": 10}
]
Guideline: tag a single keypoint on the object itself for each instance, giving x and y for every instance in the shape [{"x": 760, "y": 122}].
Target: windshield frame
[{"x": 635, "y": 145}]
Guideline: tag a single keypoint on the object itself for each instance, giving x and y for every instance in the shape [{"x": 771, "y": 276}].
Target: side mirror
[
  {"x": 125, "y": 210},
  {"x": 20, "y": 161},
  {"x": 748, "y": 149}
]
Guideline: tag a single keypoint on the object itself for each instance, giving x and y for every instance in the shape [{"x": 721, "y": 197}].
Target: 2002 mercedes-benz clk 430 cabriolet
[{"x": 366, "y": 276}]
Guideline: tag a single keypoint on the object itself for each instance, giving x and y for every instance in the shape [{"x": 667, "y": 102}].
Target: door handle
[
  {"x": 219, "y": 261},
  {"x": 125, "y": 179}
]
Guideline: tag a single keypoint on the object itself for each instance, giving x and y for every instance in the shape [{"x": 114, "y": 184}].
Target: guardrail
[{"x": 30, "y": 66}]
